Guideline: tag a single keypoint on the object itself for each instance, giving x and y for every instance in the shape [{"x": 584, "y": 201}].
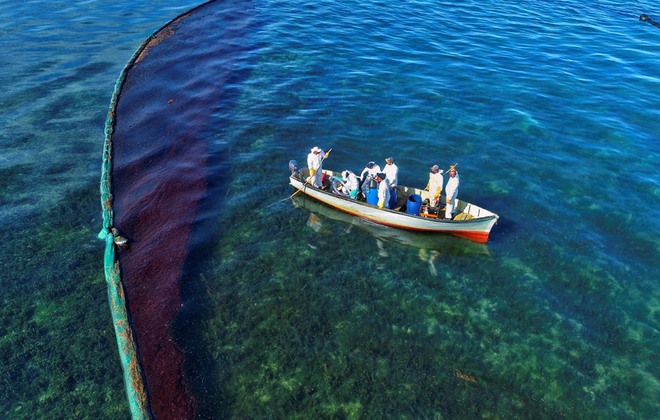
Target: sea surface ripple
[{"x": 290, "y": 309}]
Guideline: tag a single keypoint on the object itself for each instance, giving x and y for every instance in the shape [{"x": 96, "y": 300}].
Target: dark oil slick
[
  {"x": 290, "y": 310},
  {"x": 160, "y": 176}
]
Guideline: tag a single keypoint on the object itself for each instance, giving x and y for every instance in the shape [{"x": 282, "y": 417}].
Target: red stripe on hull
[
  {"x": 481, "y": 237},
  {"x": 476, "y": 236}
]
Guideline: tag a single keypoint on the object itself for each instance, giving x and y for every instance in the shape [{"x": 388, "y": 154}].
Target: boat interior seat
[{"x": 463, "y": 216}]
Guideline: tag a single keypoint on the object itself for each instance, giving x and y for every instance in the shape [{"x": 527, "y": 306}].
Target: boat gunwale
[{"x": 473, "y": 220}]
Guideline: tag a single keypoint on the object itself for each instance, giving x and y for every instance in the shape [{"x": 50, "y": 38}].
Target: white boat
[
  {"x": 470, "y": 221},
  {"x": 444, "y": 244}
]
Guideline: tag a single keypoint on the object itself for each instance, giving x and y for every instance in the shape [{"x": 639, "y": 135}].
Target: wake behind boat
[{"x": 471, "y": 221}]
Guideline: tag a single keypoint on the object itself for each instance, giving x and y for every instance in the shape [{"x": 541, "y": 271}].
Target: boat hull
[
  {"x": 444, "y": 244},
  {"x": 476, "y": 228}
]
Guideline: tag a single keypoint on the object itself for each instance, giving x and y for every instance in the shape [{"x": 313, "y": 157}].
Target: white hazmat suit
[
  {"x": 451, "y": 190},
  {"x": 369, "y": 171},
  {"x": 392, "y": 172},
  {"x": 315, "y": 165},
  {"x": 384, "y": 194},
  {"x": 435, "y": 187},
  {"x": 351, "y": 183}
]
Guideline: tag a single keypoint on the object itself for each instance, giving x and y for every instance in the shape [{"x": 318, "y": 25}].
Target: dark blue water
[{"x": 550, "y": 110}]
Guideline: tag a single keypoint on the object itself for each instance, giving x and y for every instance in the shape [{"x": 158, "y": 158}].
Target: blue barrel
[
  {"x": 370, "y": 188},
  {"x": 372, "y": 196},
  {"x": 413, "y": 204},
  {"x": 393, "y": 198}
]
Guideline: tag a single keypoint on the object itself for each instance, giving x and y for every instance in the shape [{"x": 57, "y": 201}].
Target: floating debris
[{"x": 465, "y": 377}]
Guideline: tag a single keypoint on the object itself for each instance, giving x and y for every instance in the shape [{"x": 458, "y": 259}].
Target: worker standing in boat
[
  {"x": 369, "y": 172},
  {"x": 315, "y": 165},
  {"x": 451, "y": 190},
  {"x": 383, "y": 190},
  {"x": 392, "y": 172},
  {"x": 434, "y": 186}
]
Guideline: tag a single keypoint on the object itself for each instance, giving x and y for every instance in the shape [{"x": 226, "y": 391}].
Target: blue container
[
  {"x": 370, "y": 189},
  {"x": 393, "y": 198},
  {"x": 372, "y": 196},
  {"x": 413, "y": 204}
]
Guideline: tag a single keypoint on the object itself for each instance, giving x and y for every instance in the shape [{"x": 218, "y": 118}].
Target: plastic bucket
[{"x": 413, "y": 204}]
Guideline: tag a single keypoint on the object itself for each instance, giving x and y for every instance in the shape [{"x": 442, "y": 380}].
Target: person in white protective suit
[
  {"x": 315, "y": 165},
  {"x": 434, "y": 186},
  {"x": 351, "y": 183},
  {"x": 369, "y": 171},
  {"x": 451, "y": 190},
  {"x": 392, "y": 172},
  {"x": 383, "y": 190}
]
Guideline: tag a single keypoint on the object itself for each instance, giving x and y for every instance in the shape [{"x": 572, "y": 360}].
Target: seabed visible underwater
[{"x": 292, "y": 311}]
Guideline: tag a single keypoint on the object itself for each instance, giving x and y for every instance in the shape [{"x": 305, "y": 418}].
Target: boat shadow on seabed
[{"x": 430, "y": 245}]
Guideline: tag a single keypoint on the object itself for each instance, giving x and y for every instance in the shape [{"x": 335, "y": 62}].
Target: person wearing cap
[
  {"x": 315, "y": 165},
  {"x": 383, "y": 190},
  {"x": 451, "y": 190},
  {"x": 392, "y": 172},
  {"x": 434, "y": 186}
]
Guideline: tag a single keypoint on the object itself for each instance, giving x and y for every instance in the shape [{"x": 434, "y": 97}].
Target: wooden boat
[
  {"x": 470, "y": 221},
  {"x": 444, "y": 244}
]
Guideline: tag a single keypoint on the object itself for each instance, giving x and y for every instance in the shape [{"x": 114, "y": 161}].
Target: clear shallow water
[
  {"x": 549, "y": 110},
  {"x": 59, "y": 65}
]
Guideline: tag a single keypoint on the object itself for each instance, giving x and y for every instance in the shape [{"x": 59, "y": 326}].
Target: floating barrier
[{"x": 127, "y": 339}]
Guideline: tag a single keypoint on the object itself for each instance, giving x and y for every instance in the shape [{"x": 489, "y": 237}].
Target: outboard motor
[
  {"x": 293, "y": 167},
  {"x": 427, "y": 209}
]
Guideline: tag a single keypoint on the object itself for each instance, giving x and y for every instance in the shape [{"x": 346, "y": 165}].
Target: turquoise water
[{"x": 290, "y": 311}]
